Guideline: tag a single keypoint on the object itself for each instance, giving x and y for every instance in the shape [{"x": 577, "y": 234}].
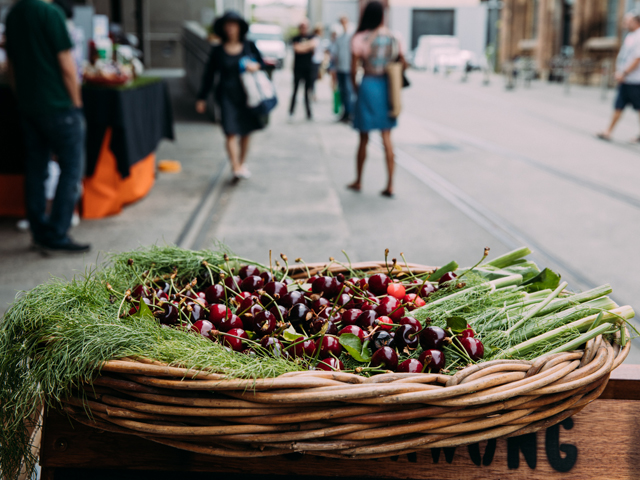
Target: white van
[{"x": 270, "y": 42}]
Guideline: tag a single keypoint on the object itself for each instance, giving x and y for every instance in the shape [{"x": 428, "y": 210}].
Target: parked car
[
  {"x": 431, "y": 47},
  {"x": 270, "y": 42}
]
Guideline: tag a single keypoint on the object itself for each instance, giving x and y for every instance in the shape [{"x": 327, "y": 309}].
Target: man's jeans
[
  {"x": 61, "y": 134},
  {"x": 346, "y": 95}
]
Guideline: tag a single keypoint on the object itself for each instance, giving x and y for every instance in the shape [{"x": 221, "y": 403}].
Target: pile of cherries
[{"x": 253, "y": 312}]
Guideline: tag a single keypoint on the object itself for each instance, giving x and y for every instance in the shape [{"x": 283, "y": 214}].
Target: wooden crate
[{"x": 601, "y": 442}]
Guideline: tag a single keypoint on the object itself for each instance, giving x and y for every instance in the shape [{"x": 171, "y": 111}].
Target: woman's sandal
[
  {"x": 354, "y": 186},
  {"x": 387, "y": 193},
  {"x": 603, "y": 136}
]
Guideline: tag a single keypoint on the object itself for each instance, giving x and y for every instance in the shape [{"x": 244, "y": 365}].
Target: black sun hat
[{"x": 230, "y": 16}]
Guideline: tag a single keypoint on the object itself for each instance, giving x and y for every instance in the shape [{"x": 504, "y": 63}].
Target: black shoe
[
  {"x": 345, "y": 119},
  {"x": 68, "y": 246}
]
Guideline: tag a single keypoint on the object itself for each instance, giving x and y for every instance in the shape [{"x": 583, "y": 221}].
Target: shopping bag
[
  {"x": 395, "y": 71},
  {"x": 261, "y": 94}
]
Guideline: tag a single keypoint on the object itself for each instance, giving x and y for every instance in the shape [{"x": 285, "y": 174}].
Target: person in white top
[{"x": 627, "y": 74}]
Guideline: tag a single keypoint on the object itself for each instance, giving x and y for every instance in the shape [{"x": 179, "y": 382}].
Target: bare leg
[
  {"x": 234, "y": 152},
  {"x": 616, "y": 116},
  {"x": 388, "y": 151},
  {"x": 244, "y": 148},
  {"x": 361, "y": 156}
]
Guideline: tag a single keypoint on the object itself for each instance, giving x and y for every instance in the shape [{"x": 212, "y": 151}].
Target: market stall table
[
  {"x": 599, "y": 442},
  {"x": 124, "y": 126}
]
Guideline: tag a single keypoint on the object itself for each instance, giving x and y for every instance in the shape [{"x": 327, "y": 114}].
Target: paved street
[{"x": 477, "y": 166}]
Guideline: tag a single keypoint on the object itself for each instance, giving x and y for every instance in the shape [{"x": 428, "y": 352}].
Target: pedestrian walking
[
  {"x": 341, "y": 58},
  {"x": 373, "y": 47},
  {"x": 226, "y": 62},
  {"x": 627, "y": 74},
  {"x": 43, "y": 70},
  {"x": 304, "y": 44},
  {"x": 319, "y": 53}
]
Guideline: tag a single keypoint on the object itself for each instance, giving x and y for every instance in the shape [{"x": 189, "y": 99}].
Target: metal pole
[{"x": 140, "y": 28}]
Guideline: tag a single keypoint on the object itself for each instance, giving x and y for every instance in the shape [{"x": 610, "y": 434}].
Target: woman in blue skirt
[{"x": 372, "y": 48}]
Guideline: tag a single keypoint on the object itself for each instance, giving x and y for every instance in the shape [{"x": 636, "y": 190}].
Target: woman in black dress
[{"x": 224, "y": 66}]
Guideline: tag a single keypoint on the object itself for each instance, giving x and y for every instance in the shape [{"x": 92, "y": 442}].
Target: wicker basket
[{"x": 342, "y": 415}]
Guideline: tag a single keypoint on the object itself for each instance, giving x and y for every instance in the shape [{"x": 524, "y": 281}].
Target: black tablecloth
[
  {"x": 12, "y": 152},
  {"x": 139, "y": 115}
]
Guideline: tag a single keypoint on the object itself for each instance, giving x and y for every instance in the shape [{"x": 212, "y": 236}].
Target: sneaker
[
  {"x": 68, "y": 246},
  {"x": 23, "y": 225}
]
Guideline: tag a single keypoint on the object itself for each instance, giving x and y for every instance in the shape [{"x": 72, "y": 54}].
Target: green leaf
[
  {"x": 528, "y": 270},
  {"x": 290, "y": 334},
  {"x": 456, "y": 324},
  {"x": 449, "y": 267},
  {"x": 355, "y": 348},
  {"x": 545, "y": 279},
  {"x": 143, "y": 311}
]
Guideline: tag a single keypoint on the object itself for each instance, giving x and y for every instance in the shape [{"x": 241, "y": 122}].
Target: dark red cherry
[
  {"x": 432, "y": 360},
  {"x": 249, "y": 316},
  {"x": 319, "y": 323},
  {"x": 410, "y": 321},
  {"x": 320, "y": 304},
  {"x": 267, "y": 276},
  {"x": 342, "y": 299},
  {"x": 390, "y": 307},
  {"x": 275, "y": 290},
  {"x": 410, "y": 365},
  {"x": 467, "y": 332},
  {"x": 426, "y": 290},
  {"x": 433, "y": 337},
  {"x": 378, "y": 284},
  {"x": 330, "y": 346},
  {"x": 217, "y": 312},
  {"x": 229, "y": 323},
  {"x": 194, "y": 311},
  {"x": 168, "y": 314},
  {"x": 473, "y": 346},
  {"x": 447, "y": 277},
  {"x": 353, "y": 330},
  {"x": 265, "y": 322},
  {"x": 367, "y": 319},
  {"x": 306, "y": 348},
  {"x": 340, "y": 277},
  {"x": 215, "y": 294},
  {"x": 246, "y": 303},
  {"x": 350, "y": 317},
  {"x": 330, "y": 364},
  {"x": 272, "y": 345},
  {"x": 279, "y": 312},
  {"x": 235, "y": 339},
  {"x": 251, "y": 283},
  {"x": 248, "y": 270},
  {"x": 385, "y": 357},
  {"x": 233, "y": 283},
  {"x": 406, "y": 336},
  {"x": 325, "y": 286},
  {"x": 383, "y": 339},
  {"x": 140, "y": 291},
  {"x": 299, "y": 313},
  {"x": 291, "y": 299},
  {"x": 203, "y": 327}
]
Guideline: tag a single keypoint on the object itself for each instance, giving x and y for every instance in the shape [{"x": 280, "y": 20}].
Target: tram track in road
[
  {"x": 194, "y": 232},
  {"x": 494, "y": 224},
  {"x": 503, "y": 152}
]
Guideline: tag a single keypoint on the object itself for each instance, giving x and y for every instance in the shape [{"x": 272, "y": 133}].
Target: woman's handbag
[
  {"x": 395, "y": 74},
  {"x": 260, "y": 91},
  {"x": 261, "y": 94}
]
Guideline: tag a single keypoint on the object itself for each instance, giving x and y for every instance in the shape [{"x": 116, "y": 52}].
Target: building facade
[{"x": 585, "y": 30}]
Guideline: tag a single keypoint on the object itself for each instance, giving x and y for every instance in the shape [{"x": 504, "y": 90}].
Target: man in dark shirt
[
  {"x": 43, "y": 71},
  {"x": 303, "y": 46}
]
